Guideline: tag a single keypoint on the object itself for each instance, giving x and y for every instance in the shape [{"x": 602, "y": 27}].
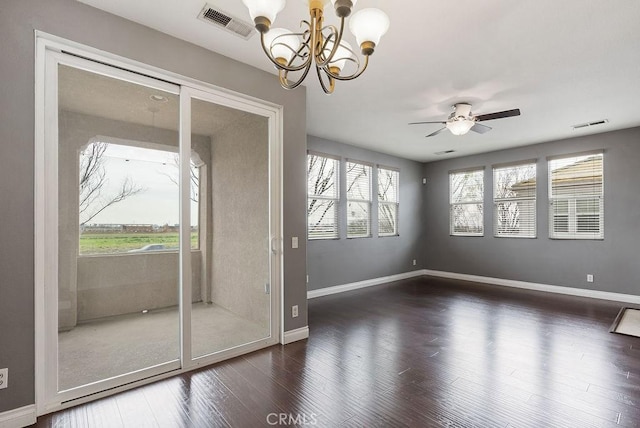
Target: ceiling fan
[{"x": 461, "y": 121}]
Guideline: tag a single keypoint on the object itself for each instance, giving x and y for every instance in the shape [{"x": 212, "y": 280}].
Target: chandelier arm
[
  {"x": 284, "y": 82},
  {"x": 332, "y": 82},
  {"x": 350, "y": 77},
  {"x": 299, "y": 54},
  {"x": 287, "y": 67},
  {"x": 336, "y": 44}
]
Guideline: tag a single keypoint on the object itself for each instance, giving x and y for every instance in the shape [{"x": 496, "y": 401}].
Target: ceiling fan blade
[
  {"x": 437, "y": 132},
  {"x": 420, "y": 123},
  {"x": 480, "y": 129},
  {"x": 498, "y": 115}
]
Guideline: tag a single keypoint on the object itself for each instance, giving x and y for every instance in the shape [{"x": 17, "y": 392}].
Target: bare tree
[
  {"x": 194, "y": 177},
  {"x": 467, "y": 207},
  {"x": 358, "y": 198},
  {"x": 387, "y": 205},
  {"x": 513, "y": 190},
  {"x": 322, "y": 181},
  {"x": 93, "y": 178}
]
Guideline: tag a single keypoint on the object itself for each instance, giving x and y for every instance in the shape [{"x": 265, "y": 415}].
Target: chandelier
[{"x": 316, "y": 44}]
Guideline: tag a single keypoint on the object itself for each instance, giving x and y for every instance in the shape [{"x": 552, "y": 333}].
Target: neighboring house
[{"x": 575, "y": 196}]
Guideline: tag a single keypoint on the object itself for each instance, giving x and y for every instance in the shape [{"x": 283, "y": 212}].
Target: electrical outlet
[
  {"x": 414, "y": 262},
  {"x": 294, "y": 311},
  {"x": 4, "y": 378},
  {"x": 307, "y": 279},
  {"x": 589, "y": 278},
  {"x": 294, "y": 242}
]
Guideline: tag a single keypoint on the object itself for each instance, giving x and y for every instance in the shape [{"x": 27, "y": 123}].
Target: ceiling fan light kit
[
  {"x": 319, "y": 45},
  {"x": 460, "y": 126},
  {"x": 461, "y": 120}
]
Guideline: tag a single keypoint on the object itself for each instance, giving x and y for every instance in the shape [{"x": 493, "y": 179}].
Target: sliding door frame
[{"x": 52, "y": 51}]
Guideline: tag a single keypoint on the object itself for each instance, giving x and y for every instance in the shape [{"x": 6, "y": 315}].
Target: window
[
  {"x": 466, "y": 192},
  {"x": 358, "y": 200},
  {"x": 514, "y": 200},
  {"x": 576, "y": 202},
  {"x": 323, "y": 194},
  {"x": 388, "y": 201}
]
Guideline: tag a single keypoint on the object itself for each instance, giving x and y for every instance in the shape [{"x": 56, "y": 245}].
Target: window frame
[
  {"x": 572, "y": 215},
  {"x": 395, "y": 204},
  {"x": 367, "y": 202},
  {"x": 479, "y": 201},
  {"x": 531, "y": 198},
  {"x": 335, "y": 199}
]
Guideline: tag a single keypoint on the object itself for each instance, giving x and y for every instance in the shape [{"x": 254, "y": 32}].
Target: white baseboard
[
  {"x": 18, "y": 418},
  {"x": 312, "y": 294},
  {"x": 295, "y": 335},
  {"x": 594, "y": 294}
]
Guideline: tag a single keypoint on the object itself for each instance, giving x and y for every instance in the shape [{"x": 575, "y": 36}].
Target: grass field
[{"x": 109, "y": 243}]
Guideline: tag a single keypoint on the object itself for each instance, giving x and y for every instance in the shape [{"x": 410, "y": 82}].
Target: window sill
[{"x": 577, "y": 238}]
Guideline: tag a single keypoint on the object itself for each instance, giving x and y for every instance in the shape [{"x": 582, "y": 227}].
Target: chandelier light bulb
[
  {"x": 282, "y": 43},
  {"x": 369, "y": 25},
  {"x": 264, "y": 8}
]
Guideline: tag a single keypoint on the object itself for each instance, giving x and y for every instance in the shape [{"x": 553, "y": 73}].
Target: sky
[{"x": 158, "y": 202}]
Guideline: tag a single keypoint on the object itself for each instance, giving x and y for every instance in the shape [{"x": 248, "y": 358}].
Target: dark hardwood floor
[{"x": 423, "y": 352}]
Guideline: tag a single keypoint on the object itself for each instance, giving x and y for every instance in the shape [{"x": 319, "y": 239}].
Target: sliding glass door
[{"x": 157, "y": 215}]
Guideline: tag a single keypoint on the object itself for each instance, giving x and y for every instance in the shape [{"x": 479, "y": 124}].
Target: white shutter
[
  {"x": 514, "y": 200},
  {"x": 466, "y": 193},
  {"x": 576, "y": 196},
  {"x": 388, "y": 201},
  {"x": 322, "y": 196},
  {"x": 358, "y": 200}
]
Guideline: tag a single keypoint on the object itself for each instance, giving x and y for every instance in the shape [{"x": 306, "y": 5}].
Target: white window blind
[
  {"x": 576, "y": 197},
  {"x": 388, "y": 201},
  {"x": 323, "y": 195},
  {"x": 466, "y": 193},
  {"x": 514, "y": 200},
  {"x": 358, "y": 200}
]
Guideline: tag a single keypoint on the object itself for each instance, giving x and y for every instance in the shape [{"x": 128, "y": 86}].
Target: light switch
[{"x": 294, "y": 242}]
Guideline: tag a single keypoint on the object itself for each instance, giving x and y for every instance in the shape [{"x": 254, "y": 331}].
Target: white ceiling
[{"x": 561, "y": 62}]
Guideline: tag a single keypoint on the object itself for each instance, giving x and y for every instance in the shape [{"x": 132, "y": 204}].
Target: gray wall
[
  {"x": 81, "y": 23},
  {"x": 336, "y": 262},
  {"x": 613, "y": 261},
  {"x": 117, "y": 284}
]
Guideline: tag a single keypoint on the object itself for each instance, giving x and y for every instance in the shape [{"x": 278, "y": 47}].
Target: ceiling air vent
[
  {"x": 446, "y": 152},
  {"x": 226, "y": 21},
  {"x": 586, "y": 125}
]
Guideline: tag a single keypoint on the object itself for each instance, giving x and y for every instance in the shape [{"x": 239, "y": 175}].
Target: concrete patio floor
[{"x": 109, "y": 347}]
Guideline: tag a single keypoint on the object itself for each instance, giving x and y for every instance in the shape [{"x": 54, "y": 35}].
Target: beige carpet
[
  {"x": 628, "y": 322},
  {"x": 112, "y": 346}
]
